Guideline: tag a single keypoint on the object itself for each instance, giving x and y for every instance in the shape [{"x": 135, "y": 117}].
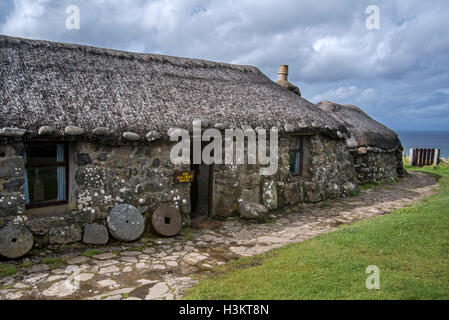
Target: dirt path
[{"x": 162, "y": 268}]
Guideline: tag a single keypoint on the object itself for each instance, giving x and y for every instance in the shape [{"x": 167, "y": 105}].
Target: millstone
[
  {"x": 125, "y": 222},
  {"x": 95, "y": 234},
  {"x": 15, "y": 241},
  {"x": 166, "y": 221}
]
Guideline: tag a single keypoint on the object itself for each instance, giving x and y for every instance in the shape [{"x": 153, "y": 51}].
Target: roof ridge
[{"x": 142, "y": 57}]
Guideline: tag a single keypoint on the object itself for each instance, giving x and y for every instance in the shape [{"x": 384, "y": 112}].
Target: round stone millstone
[
  {"x": 166, "y": 221},
  {"x": 125, "y": 222},
  {"x": 15, "y": 241}
]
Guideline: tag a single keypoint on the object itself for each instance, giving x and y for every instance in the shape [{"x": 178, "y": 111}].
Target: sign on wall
[{"x": 183, "y": 176}]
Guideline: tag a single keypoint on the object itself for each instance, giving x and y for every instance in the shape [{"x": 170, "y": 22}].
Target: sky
[{"x": 397, "y": 71}]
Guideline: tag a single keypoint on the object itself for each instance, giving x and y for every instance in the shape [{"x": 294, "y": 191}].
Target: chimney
[
  {"x": 283, "y": 73},
  {"x": 283, "y": 80}
]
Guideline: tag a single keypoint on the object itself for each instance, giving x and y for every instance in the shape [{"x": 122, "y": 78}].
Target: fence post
[{"x": 436, "y": 158}]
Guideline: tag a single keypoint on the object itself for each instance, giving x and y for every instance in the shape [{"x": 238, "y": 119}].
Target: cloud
[
  {"x": 332, "y": 55},
  {"x": 346, "y": 95}
]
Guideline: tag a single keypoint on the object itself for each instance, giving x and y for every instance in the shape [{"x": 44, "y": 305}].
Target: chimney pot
[
  {"x": 283, "y": 72},
  {"x": 283, "y": 80}
]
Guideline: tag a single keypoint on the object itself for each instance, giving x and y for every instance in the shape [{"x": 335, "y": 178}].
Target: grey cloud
[{"x": 330, "y": 52}]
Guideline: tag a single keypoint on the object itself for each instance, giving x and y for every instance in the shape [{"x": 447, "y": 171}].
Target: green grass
[
  {"x": 7, "y": 270},
  {"x": 410, "y": 247},
  {"x": 54, "y": 262},
  {"x": 368, "y": 186},
  {"x": 90, "y": 253},
  {"x": 324, "y": 205}
]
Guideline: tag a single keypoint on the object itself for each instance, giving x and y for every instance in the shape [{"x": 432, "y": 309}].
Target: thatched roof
[
  {"x": 364, "y": 130},
  {"x": 45, "y": 83}
]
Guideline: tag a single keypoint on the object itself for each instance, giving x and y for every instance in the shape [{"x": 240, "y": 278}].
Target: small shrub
[{"x": 406, "y": 161}]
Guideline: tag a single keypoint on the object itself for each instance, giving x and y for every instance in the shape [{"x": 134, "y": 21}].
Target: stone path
[{"x": 162, "y": 268}]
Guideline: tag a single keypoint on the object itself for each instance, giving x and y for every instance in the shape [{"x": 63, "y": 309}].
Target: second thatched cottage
[{"x": 84, "y": 129}]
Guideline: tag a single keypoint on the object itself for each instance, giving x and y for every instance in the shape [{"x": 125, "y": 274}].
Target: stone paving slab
[{"x": 162, "y": 268}]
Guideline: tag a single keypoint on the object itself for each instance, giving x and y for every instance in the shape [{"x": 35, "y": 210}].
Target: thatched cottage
[
  {"x": 84, "y": 129},
  {"x": 376, "y": 149}
]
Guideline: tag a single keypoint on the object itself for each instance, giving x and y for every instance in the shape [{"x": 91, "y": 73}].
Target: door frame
[{"x": 211, "y": 190}]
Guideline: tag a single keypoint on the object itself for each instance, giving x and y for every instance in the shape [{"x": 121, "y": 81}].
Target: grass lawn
[{"x": 410, "y": 247}]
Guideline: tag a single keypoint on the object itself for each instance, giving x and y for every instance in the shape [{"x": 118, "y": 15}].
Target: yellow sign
[{"x": 183, "y": 176}]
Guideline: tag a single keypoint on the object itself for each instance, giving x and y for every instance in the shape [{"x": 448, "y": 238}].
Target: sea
[{"x": 425, "y": 139}]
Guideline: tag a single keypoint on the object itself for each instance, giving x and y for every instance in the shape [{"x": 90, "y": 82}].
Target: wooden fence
[{"x": 424, "y": 157}]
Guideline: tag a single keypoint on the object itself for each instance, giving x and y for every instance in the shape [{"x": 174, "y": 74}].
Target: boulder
[
  {"x": 83, "y": 159},
  {"x": 95, "y": 234},
  {"x": 125, "y": 222},
  {"x": 12, "y": 132},
  {"x": 153, "y": 136},
  {"x": 269, "y": 194},
  {"x": 253, "y": 211},
  {"x": 362, "y": 150},
  {"x": 45, "y": 131},
  {"x": 289, "y": 128},
  {"x": 15, "y": 241},
  {"x": 102, "y": 132},
  {"x": 131, "y": 136},
  {"x": 221, "y": 126},
  {"x": 64, "y": 234},
  {"x": 73, "y": 131}
]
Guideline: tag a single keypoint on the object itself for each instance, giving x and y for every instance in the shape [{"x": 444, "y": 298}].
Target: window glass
[
  {"x": 295, "y": 155},
  {"x": 41, "y": 153},
  {"x": 45, "y": 173},
  {"x": 42, "y": 184}
]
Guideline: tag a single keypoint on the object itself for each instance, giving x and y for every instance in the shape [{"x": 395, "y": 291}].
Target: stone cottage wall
[
  {"x": 103, "y": 176},
  {"x": 12, "y": 201},
  {"x": 378, "y": 165},
  {"x": 328, "y": 173}
]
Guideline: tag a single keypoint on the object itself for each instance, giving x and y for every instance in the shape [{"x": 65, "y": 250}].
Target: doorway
[{"x": 201, "y": 191}]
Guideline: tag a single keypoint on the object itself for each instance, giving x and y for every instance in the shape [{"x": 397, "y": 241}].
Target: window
[
  {"x": 295, "y": 152},
  {"x": 46, "y": 174}
]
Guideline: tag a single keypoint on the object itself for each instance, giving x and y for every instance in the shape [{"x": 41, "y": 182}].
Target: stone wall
[
  {"x": 377, "y": 165},
  {"x": 12, "y": 201},
  {"x": 328, "y": 173},
  {"x": 103, "y": 176}
]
